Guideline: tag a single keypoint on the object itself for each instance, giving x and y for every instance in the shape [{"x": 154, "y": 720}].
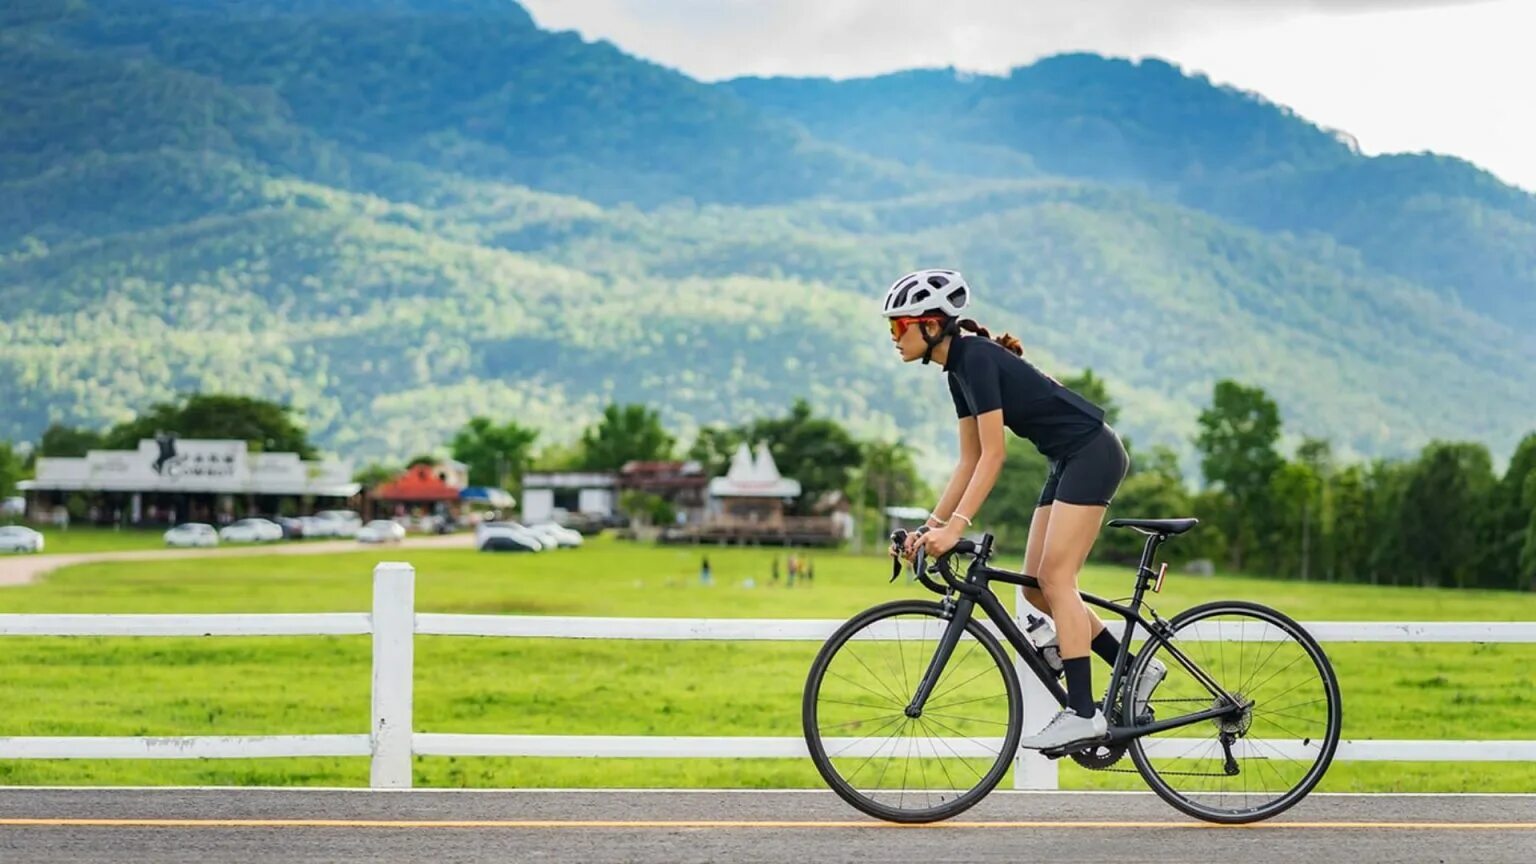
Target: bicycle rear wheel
[
  {"x": 900, "y": 768},
  {"x": 1261, "y": 761}
]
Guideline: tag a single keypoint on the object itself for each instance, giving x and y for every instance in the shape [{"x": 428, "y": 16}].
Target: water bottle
[{"x": 1043, "y": 636}]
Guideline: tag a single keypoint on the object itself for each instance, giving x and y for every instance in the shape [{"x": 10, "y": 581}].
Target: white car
[
  {"x": 381, "y": 531},
  {"x": 518, "y": 533},
  {"x": 192, "y": 534},
  {"x": 310, "y": 527},
  {"x": 251, "y": 531},
  {"x": 338, "y": 523},
  {"x": 17, "y": 538},
  {"x": 565, "y": 537}
]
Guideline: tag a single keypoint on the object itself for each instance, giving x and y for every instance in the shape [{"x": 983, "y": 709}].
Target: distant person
[
  {"x": 705, "y": 577},
  {"x": 793, "y": 569},
  {"x": 775, "y": 570},
  {"x": 810, "y": 571},
  {"x": 995, "y": 389}
]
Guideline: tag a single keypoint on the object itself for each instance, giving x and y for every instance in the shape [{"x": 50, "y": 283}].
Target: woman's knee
[{"x": 1036, "y": 598}]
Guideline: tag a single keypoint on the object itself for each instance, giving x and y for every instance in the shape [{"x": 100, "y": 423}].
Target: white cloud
[{"x": 1446, "y": 75}]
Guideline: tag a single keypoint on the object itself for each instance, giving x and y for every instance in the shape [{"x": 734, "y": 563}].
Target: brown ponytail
[{"x": 1006, "y": 340}]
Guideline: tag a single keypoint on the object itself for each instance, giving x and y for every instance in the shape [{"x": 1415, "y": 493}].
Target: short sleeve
[
  {"x": 962, "y": 405},
  {"x": 983, "y": 382}
]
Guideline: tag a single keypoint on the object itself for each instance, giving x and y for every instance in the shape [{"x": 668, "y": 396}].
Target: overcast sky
[{"x": 1453, "y": 76}]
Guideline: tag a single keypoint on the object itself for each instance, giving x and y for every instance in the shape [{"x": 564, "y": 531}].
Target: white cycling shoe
[{"x": 1068, "y": 728}]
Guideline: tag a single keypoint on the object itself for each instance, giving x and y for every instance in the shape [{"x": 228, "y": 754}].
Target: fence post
[
  {"x": 1030, "y": 769},
  {"x": 394, "y": 629}
]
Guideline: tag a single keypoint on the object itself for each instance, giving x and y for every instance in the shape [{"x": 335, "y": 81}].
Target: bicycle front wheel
[
  {"x": 901, "y": 768},
  {"x": 1254, "y": 763}
]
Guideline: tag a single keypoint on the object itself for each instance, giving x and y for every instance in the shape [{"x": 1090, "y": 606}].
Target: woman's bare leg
[
  {"x": 1069, "y": 537},
  {"x": 1034, "y": 552}
]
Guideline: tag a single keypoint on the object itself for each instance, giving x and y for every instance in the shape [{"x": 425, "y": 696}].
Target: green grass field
[{"x": 320, "y": 685}]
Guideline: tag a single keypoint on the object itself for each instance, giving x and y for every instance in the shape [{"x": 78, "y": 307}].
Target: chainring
[{"x": 1099, "y": 756}]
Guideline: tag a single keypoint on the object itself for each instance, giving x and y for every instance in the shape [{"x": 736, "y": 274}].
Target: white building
[{"x": 169, "y": 479}]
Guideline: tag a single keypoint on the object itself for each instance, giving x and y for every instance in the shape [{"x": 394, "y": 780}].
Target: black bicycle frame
[{"x": 975, "y": 590}]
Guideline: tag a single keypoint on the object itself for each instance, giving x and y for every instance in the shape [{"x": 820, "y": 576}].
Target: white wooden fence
[{"x": 391, "y": 741}]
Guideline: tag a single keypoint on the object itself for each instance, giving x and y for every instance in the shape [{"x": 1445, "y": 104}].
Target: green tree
[
  {"x": 374, "y": 473},
  {"x": 12, "y": 470},
  {"x": 68, "y": 441},
  {"x": 1350, "y": 528},
  {"x": 1292, "y": 534},
  {"x": 496, "y": 455},
  {"x": 421, "y": 459},
  {"x": 817, "y": 451},
  {"x": 263, "y": 424},
  {"x": 1527, "y": 563},
  {"x": 1509, "y": 516},
  {"x": 1386, "y": 490},
  {"x": 714, "y": 445},
  {"x": 1237, "y": 446},
  {"x": 888, "y": 474},
  {"x": 625, "y": 433},
  {"x": 1444, "y": 511}
]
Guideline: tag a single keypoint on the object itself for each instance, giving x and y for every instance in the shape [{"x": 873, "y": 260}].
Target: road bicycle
[{"x": 912, "y": 710}]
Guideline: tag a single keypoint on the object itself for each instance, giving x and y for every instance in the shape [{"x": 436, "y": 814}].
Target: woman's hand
[
  {"x": 939, "y": 540},
  {"x": 908, "y": 551}
]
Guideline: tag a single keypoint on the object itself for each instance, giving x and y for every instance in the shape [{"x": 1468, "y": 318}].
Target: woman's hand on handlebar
[{"x": 938, "y": 541}]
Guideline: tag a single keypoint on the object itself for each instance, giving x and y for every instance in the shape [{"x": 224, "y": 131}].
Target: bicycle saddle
[{"x": 1156, "y": 526}]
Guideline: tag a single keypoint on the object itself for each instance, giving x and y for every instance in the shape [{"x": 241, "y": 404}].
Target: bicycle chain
[{"x": 1087, "y": 761}]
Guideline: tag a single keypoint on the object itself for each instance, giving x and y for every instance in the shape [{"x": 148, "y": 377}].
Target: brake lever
[{"x": 898, "y": 543}]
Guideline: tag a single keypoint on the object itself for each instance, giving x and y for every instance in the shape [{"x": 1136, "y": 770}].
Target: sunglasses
[{"x": 899, "y": 325}]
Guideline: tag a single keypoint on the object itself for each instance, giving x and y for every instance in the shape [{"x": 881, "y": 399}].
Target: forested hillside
[{"x": 398, "y": 215}]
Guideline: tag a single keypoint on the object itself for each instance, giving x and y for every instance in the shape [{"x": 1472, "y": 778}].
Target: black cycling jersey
[{"x": 984, "y": 376}]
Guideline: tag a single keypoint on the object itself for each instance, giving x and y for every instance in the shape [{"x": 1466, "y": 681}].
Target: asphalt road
[{"x": 211, "y": 826}]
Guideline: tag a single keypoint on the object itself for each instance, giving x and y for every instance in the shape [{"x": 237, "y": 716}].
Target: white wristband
[{"x": 963, "y": 517}]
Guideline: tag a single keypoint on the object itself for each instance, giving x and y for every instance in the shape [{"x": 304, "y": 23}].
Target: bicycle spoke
[
  {"x": 938, "y": 763},
  {"x": 1271, "y": 774}
]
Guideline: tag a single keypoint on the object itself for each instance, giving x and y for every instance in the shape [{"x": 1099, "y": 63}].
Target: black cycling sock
[
  {"x": 1107, "y": 646},
  {"x": 1079, "y": 685}
]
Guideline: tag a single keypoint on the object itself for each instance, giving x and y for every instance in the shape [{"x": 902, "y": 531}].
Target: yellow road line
[{"x": 710, "y": 823}]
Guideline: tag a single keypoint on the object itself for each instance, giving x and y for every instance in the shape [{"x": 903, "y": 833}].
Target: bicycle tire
[
  {"x": 1331, "y": 725},
  {"x": 824, "y": 762}
]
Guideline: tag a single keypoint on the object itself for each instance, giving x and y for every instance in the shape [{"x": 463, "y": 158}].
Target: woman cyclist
[{"x": 994, "y": 388}]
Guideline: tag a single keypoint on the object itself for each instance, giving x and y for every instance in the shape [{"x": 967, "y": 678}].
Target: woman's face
[{"x": 910, "y": 343}]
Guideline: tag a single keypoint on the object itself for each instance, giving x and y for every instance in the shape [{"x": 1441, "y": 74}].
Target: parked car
[
  {"x": 293, "y": 527},
  {"x": 192, "y": 534},
  {"x": 339, "y": 523},
  {"x": 381, "y": 531},
  {"x": 565, "y": 537},
  {"x": 254, "y": 530},
  {"x": 506, "y": 542},
  {"x": 310, "y": 526},
  {"x": 518, "y": 533},
  {"x": 13, "y": 506},
  {"x": 19, "y": 538}
]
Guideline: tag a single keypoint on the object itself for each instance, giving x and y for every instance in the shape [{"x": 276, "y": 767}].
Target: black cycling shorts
[{"x": 1090, "y": 475}]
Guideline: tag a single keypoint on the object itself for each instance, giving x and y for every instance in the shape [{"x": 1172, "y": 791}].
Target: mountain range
[{"x": 397, "y": 214}]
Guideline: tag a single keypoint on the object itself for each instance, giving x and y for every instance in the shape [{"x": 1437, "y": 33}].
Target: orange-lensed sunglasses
[{"x": 899, "y": 325}]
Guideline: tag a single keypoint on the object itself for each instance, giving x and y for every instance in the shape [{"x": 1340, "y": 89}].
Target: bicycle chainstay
[{"x": 1090, "y": 758}]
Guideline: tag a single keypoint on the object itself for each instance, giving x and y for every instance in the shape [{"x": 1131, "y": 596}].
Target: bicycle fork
[{"x": 959, "y": 616}]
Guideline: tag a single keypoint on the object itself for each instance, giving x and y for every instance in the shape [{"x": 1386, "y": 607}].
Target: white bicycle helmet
[{"x": 927, "y": 292}]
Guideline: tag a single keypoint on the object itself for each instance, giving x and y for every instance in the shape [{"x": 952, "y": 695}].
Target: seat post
[{"x": 1148, "y": 552}]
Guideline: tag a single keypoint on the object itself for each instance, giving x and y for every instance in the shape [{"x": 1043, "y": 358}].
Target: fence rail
[{"x": 391, "y": 740}]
